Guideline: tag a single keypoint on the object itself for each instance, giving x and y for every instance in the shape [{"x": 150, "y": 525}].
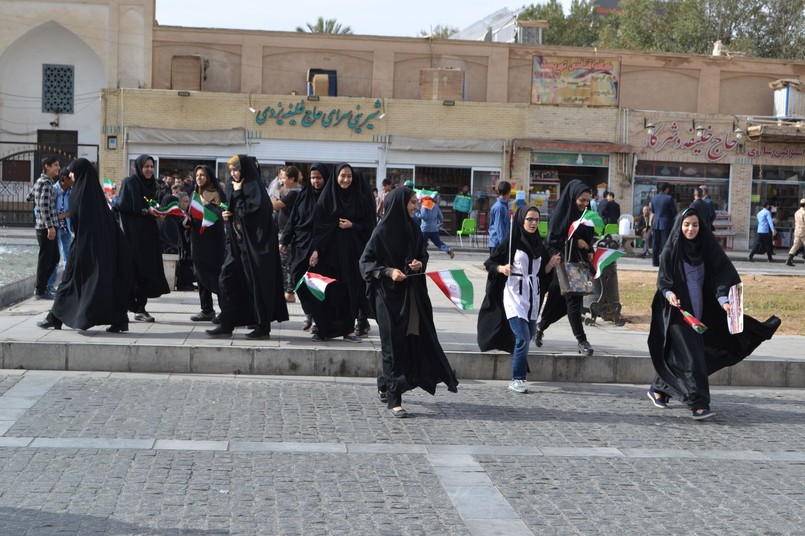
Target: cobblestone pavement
[{"x": 105, "y": 453}]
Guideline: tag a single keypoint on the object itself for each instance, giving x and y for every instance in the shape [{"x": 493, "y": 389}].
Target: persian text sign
[
  {"x": 298, "y": 114},
  {"x": 712, "y": 145},
  {"x": 575, "y": 81}
]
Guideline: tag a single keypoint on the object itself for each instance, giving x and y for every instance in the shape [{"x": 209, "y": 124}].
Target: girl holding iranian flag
[
  {"x": 508, "y": 316},
  {"x": 689, "y": 337},
  {"x": 570, "y": 209},
  {"x": 393, "y": 257}
]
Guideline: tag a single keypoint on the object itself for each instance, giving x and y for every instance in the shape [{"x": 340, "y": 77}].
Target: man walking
[
  {"x": 799, "y": 233},
  {"x": 462, "y": 205},
  {"x": 499, "y": 222},
  {"x": 47, "y": 223},
  {"x": 765, "y": 233},
  {"x": 664, "y": 208}
]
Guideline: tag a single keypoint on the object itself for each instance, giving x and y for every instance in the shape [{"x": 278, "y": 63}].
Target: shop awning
[
  {"x": 408, "y": 143},
  {"x": 572, "y": 146},
  {"x": 168, "y": 136}
]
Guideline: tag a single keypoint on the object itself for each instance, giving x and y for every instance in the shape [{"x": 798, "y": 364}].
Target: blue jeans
[
  {"x": 523, "y": 333},
  {"x": 433, "y": 236},
  {"x": 64, "y": 238}
]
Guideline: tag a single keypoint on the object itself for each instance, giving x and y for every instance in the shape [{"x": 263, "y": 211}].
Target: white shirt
[{"x": 521, "y": 294}]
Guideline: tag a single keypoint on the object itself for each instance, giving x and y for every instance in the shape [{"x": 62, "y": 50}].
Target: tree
[
  {"x": 439, "y": 32},
  {"x": 328, "y": 26}
]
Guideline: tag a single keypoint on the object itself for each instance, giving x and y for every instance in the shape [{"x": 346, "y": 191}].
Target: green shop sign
[
  {"x": 570, "y": 159},
  {"x": 298, "y": 114}
]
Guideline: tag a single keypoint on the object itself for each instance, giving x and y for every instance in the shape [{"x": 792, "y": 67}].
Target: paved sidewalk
[
  {"x": 175, "y": 344},
  {"x": 169, "y": 455}
]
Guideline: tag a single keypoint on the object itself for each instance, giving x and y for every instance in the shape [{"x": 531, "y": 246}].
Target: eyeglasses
[{"x": 532, "y": 220}]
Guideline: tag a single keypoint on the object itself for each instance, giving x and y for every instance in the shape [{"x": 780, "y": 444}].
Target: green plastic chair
[
  {"x": 542, "y": 228},
  {"x": 468, "y": 228}
]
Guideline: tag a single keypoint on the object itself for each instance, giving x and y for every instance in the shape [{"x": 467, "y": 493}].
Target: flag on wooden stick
[{"x": 315, "y": 283}]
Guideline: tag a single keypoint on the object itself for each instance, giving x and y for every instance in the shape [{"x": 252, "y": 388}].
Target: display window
[
  {"x": 684, "y": 178},
  {"x": 783, "y": 187}
]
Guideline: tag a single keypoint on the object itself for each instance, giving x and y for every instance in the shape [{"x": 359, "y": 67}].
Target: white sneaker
[{"x": 518, "y": 386}]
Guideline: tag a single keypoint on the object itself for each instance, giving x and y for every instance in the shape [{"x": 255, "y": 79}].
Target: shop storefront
[
  {"x": 549, "y": 173},
  {"x": 684, "y": 178},
  {"x": 783, "y": 187}
]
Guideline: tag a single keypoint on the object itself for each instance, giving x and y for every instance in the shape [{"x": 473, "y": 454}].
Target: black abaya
[
  {"x": 683, "y": 358},
  {"x": 96, "y": 283},
  {"x": 251, "y": 277},
  {"x": 207, "y": 248},
  {"x": 142, "y": 233},
  {"x": 412, "y": 354}
]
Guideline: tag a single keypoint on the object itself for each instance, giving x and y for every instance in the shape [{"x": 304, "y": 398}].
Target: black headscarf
[
  {"x": 147, "y": 186},
  {"x": 350, "y": 203},
  {"x": 212, "y": 184},
  {"x": 396, "y": 239},
  {"x": 97, "y": 281},
  {"x": 530, "y": 243},
  {"x": 564, "y": 213}
]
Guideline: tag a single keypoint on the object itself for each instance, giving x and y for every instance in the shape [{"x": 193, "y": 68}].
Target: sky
[{"x": 403, "y": 18}]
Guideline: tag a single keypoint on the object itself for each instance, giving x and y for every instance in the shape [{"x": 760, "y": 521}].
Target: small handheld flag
[
  {"x": 171, "y": 209},
  {"x": 108, "y": 185},
  {"x": 456, "y": 287},
  {"x": 200, "y": 212},
  {"x": 602, "y": 258},
  {"x": 693, "y": 322},
  {"x": 590, "y": 218},
  {"x": 316, "y": 284}
]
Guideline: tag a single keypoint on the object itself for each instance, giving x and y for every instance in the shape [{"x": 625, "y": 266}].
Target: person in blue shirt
[
  {"x": 430, "y": 221},
  {"x": 765, "y": 233},
  {"x": 499, "y": 221},
  {"x": 64, "y": 232}
]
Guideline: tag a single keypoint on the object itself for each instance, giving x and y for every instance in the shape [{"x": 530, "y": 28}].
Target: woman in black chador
[
  {"x": 696, "y": 275},
  {"x": 207, "y": 248},
  {"x": 298, "y": 234},
  {"x": 141, "y": 230},
  {"x": 412, "y": 355},
  {"x": 342, "y": 224},
  {"x": 571, "y": 204},
  {"x": 96, "y": 283},
  {"x": 251, "y": 289}
]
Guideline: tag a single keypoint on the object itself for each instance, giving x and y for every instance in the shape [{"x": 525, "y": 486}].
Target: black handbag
[{"x": 575, "y": 278}]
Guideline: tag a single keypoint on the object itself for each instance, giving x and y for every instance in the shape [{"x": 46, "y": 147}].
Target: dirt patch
[{"x": 764, "y": 295}]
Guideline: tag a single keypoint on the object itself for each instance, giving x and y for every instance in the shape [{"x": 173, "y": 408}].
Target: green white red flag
[
  {"x": 171, "y": 209},
  {"x": 602, "y": 258},
  {"x": 590, "y": 218},
  {"x": 108, "y": 185},
  {"x": 693, "y": 322},
  {"x": 201, "y": 212},
  {"x": 456, "y": 286},
  {"x": 423, "y": 193},
  {"x": 315, "y": 283}
]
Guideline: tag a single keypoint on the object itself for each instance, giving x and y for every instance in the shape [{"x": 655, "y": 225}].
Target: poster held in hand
[{"x": 735, "y": 318}]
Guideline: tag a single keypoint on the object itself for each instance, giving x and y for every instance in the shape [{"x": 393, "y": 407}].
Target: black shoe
[
  {"x": 260, "y": 332},
  {"x": 790, "y": 261},
  {"x": 662, "y": 401},
  {"x": 217, "y": 320},
  {"x": 48, "y": 323},
  {"x": 203, "y": 317},
  {"x": 702, "y": 414},
  {"x": 352, "y": 338},
  {"x": 772, "y": 324},
  {"x": 47, "y": 295},
  {"x": 306, "y": 325},
  {"x": 538, "y": 338},
  {"x": 219, "y": 331},
  {"x": 117, "y": 328},
  {"x": 383, "y": 396},
  {"x": 751, "y": 259},
  {"x": 585, "y": 348},
  {"x": 142, "y": 316}
]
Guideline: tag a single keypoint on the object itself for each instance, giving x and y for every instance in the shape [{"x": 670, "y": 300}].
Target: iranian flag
[
  {"x": 423, "y": 193},
  {"x": 602, "y": 258},
  {"x": 171, "y": 209},
  {"x": 108, "y": 185},
  {"x": 590, "y": 218},
  {"x": 200, "y": 212},
  {"x": 316, "y": 284},
  {"x": 456, "y": 286},
  {"x": 693, "y": 322}
]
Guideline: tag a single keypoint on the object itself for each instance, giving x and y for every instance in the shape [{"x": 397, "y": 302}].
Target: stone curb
[{"x": 317, "y": 361}]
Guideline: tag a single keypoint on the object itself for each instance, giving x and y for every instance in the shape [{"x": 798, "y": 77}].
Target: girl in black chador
[
  {"x": 96, "y": 283},
  {"x": 696, "y": 275},
  {"x": 141, "y": 230},
  {"x": 575, "y": 198},
  {"x": 392, "y": 266},
  {"x": 251, "y": 277}
]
